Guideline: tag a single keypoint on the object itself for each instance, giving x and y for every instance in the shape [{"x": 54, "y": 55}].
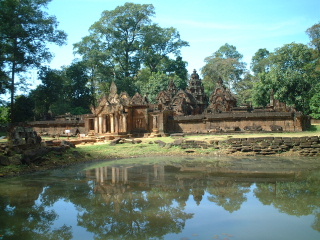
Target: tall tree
[
  {"x": 314, "y": 35},
  {"x": 119, "y": 32},
  {"x": 24, "y": 31},
  {"x": 99, "y": 65},
  {"x": 157, "y": 43},
  {"x": 260, "y": 62},
  {"x": 76, "y": 89},
  {"x": 245, "y": 89},
  {"x": 23, "y": 109},
  {"x": 152, "y": 83},
  {"x": 225, "y": 63},
  {"x": 260, "y": 65},
  {"x": 126, "y": 38},
  {"x": 315, "y": 102},
  {"x": 48, "y": 93},
  {"x": 178, "y": 67},
  {"x": 292, "y": 76}
]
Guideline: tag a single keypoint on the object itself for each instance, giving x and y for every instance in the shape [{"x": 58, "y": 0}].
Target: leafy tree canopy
[
  {"x": 24, "y": 32},
  {"x": 123, "y": 41},
  {"x": 260, "y": 61},
  {"x": 151, "y": 84},
  {"x": 314, "y": 35},
  {"x": 226, "y": 64},
  {"x": 291, "y": 76}
]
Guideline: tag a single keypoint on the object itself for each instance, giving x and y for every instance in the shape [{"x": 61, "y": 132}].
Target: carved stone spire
[
  {"x": 196, "y": 89},
  {"x": 113, "y": 89},
  {"x": 195, "y": 75}
]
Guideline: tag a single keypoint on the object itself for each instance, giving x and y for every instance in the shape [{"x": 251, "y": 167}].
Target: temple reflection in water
[{"x": 128, "y": 200}]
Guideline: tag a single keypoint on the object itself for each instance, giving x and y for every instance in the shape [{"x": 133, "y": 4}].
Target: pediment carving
[{"x": 137, "y": 99}]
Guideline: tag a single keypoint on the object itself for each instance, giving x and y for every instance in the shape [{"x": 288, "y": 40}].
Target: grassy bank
[
  {"x": 127, "y": 150},
  {"x": 147, "y": 147}
]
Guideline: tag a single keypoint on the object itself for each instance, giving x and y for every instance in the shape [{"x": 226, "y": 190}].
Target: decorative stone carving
[
  {"x": 172, "y": 89},
  {"x": 183, "y": 103},
  {"x": 164, "y": 100},
  {"x": 196, "y": 89},
  {"x": 221, "y": 100},
  {"x": 137, "y": 99},
  {"x": 125, "y": 99},
  {"x": 165, "y": 97},
  {"x": 189, "y": 102}
]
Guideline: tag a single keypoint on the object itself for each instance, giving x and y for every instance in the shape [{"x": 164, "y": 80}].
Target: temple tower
[{"x": 196, "y": 89}]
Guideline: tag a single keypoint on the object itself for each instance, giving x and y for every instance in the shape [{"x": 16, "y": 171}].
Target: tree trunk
[{"x": 12, "y": 89}]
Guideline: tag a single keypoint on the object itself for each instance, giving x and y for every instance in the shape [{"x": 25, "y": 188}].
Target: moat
[{"x": 166, "y": 198}]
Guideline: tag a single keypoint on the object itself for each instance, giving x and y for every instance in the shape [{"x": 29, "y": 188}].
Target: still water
[{"x": 166, "y": 198}]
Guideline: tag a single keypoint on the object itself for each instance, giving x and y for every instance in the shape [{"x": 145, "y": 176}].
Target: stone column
[
  {"x": 104, "y": 122},
  {"x": 124, "y": 122},
  {"x": 155, "y": 128},
  {"x": 116, "y": 123},
  {"x": 96, "y": 125},
  {"x": 112, "y": 123},
  {"x": 100, "y": 124}
]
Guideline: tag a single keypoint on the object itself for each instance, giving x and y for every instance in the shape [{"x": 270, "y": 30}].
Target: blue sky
[{"x": 206, "y": 24}]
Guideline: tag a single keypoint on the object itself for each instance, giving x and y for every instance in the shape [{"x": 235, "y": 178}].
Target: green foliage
[
  {"x": 123, "y": 40},
  {"x": 315, "y": 103},
  {"x": 62, "y": 91},
  {"x": 158, "y": 43},
  {"x": 245, "y": 89},
  {"x": 314, "y": 35},
  {"x": 75, "y": 86},
  {"x": 4, "y": 114},
  {"x": 23, "y": 109},
  {"x": 292, "y": 75},
  {"x": 118, "y": 32},
  {"x": 289, "y": 72},
  {"x": 79, "y": 111},
  {"x": 261, "y": 91},
  {"x": 260, "y": 61},
  {"x": 4, "y": 79},
  {"x": 177, "y": 67},
  {"x": 151, "y": 84},
  {"x": 98, "y": 66},
  {"x": 225, "y": 64},
  {"x": 25, "y": 30},
  {"x": 49, "y": 92}
]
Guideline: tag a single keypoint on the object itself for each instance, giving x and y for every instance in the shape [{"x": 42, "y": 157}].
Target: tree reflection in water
[
  {"x": 298, "y": 198},
  {"x": 142, "y": 202},
  {"x": 22, "y": 218}
]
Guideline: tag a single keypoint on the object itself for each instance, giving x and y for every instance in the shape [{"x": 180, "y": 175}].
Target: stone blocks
[{"x": 305, "y": 146}]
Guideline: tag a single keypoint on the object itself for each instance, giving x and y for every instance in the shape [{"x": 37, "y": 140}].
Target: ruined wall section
[{"x": 241, "y": 122}]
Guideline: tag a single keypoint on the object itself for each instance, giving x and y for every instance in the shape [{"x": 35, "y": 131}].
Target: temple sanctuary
[{"x": 187, "y": 111}]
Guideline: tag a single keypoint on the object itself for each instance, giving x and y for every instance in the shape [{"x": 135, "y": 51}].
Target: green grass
[
  {"x": 314, "y": 128},
  {"x": 105, "y": 150}
]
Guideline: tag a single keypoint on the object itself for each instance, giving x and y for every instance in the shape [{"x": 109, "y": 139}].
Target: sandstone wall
[
  {"x": 304, "y": 146},
  {"x": 57, "y": 127},
  {"x": 246, "y": 122}
]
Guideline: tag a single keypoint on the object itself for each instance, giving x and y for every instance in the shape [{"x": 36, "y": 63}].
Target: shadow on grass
[{"x": 314, "y": 128}]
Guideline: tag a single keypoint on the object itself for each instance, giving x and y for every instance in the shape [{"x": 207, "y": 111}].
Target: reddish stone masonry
[
  {"x": 304, "y": 146},
  {"x": 178, "y": 111}
]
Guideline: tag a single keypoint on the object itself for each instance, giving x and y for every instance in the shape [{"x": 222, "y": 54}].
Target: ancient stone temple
[
  {"x": 196, "y": 89},
  {"x": 187, "y": 111},
  {"x": 221, "y": 100},
  {"x": 119, "y": 114}
]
